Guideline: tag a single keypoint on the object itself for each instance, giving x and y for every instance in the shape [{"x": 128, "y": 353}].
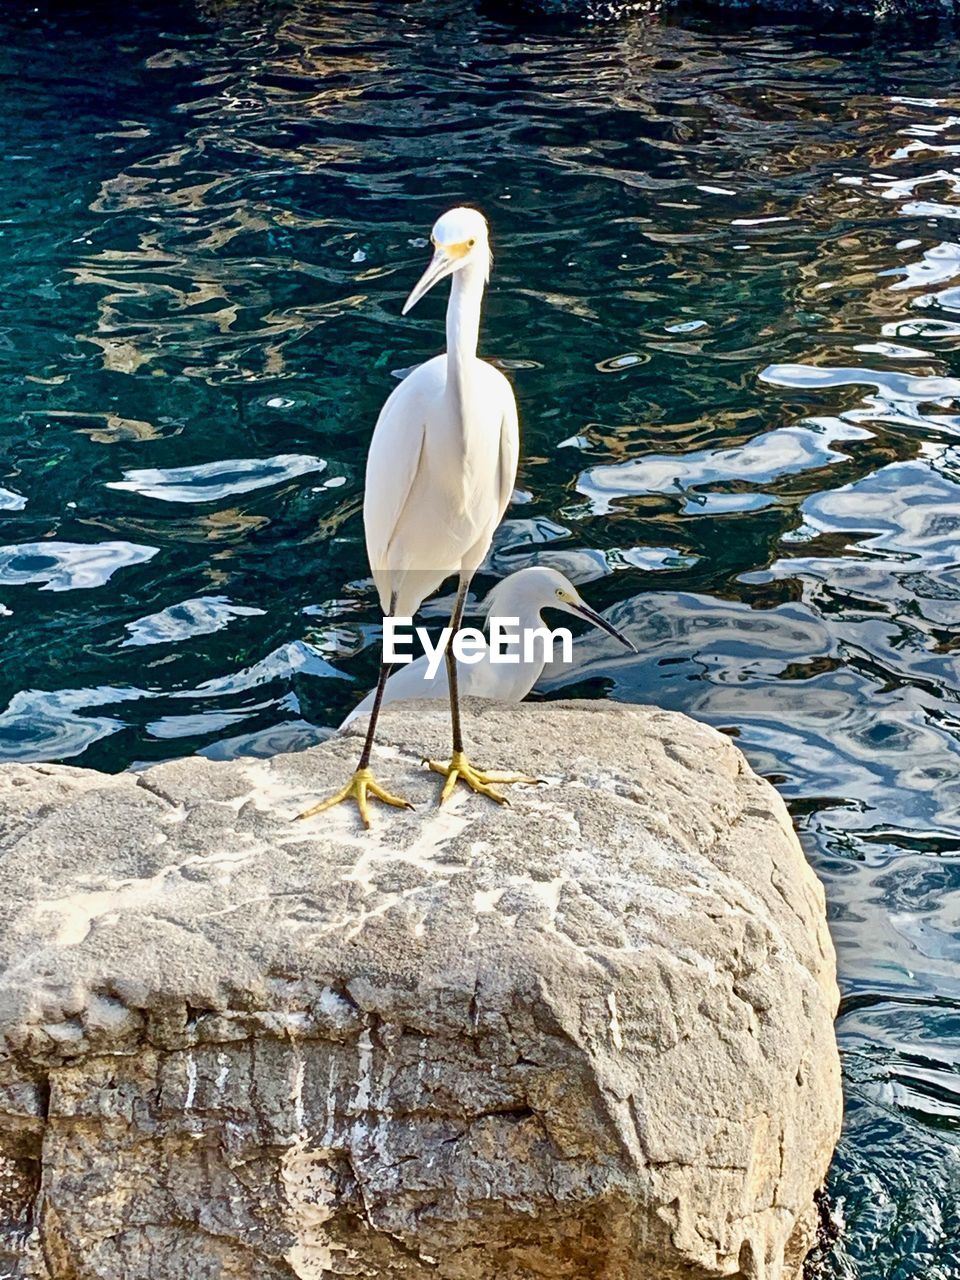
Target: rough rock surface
[{"x": 588, "y": 1037}]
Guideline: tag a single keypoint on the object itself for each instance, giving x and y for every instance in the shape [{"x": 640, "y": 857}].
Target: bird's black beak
[{"x": 604, "y": 625}]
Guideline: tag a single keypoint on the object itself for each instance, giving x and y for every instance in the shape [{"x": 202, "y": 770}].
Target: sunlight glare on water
[{"x": 727, "y": 290}]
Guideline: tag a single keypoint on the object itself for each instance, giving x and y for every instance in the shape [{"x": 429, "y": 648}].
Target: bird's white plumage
[
  {"x": 444, "y": 453},
  {"x": 434, "y": 495}
]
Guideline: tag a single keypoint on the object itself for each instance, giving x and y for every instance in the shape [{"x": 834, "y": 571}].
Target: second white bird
[{"x": 523, "y": 595}]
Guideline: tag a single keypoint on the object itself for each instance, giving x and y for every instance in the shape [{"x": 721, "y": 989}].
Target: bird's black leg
[
  {"x": 363, "y": 784},
  {"x": 456, "y": 618},
  {"x": 364, "y": 760},
  {"x": 459, "y": 766}
]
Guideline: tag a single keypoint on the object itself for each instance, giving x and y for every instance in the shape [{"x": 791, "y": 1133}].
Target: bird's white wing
[
  {"x": 392, "y": 464},
  {"x": 509, "y": 452}
]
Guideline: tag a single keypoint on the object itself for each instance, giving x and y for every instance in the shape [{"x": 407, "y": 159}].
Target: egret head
[
  {"x": 541, "y": 588},
  {"x": 460, "y": 238}
]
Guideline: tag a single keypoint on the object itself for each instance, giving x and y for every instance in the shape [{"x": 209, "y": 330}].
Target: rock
[{"x": 587, "y": 1037}]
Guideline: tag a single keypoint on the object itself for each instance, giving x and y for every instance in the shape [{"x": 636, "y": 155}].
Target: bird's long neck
[
  {"x": 513, "y": 604},
  {"x": 463, "y": 330}
]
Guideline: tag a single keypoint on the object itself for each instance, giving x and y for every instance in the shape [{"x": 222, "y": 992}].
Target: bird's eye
[
  {"x": 471, "y": 243},
  {"x": 560, "y": 592}
]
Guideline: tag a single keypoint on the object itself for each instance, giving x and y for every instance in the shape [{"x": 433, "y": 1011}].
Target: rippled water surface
[{"x": 727, "y": 289}]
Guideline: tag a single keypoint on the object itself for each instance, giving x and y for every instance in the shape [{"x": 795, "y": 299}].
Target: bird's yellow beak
[{"x": 443, "y": 263}]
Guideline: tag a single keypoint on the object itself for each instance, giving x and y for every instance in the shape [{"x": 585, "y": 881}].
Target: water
[{"x": 727, "y": 289}]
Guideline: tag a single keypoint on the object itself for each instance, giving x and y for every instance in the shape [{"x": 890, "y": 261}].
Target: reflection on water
[
  {"x": 212, "y": 481},
  {"x": 189, "y": 618},
  {"x": 763, "y": 459},
  {"x": 727, "y": 290},
  {"x": 68, "y": 566},
  {"x": 10, "y": 501}
]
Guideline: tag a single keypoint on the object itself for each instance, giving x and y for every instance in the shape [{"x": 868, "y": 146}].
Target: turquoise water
[{"x": 727, "y": 289}]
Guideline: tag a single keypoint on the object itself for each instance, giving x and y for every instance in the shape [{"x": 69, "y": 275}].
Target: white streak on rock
[
  {"x": 191, "y": 1082},
  {"x": 616, "y": 1033},
  {"x": 296, "y": 1091},
  {"x": 331, "y": 1102},
  {"x": 361, "y": 1099},
  {"x": 79, "y": 912}
]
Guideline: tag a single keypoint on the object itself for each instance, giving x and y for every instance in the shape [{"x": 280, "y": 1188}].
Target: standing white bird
[
  {"x": 523, "y": 596},
  {"x": 440, "y": 473}
]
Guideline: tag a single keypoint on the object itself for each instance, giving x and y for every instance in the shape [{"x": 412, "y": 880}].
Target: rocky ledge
[{"x": 587, "y": 1037}]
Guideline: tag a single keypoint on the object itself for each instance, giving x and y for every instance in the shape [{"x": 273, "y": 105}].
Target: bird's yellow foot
[
  {"x": 360, "y": 786},
  {"x": 460, "y": 769}
]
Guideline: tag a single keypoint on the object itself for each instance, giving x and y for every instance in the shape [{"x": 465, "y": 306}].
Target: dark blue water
[{"x": 727, "y": 289}]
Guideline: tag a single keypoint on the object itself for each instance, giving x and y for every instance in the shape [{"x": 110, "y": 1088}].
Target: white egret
[
  {"x": 523, "y": 595},
  {"x": 440, "y": 472}
]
